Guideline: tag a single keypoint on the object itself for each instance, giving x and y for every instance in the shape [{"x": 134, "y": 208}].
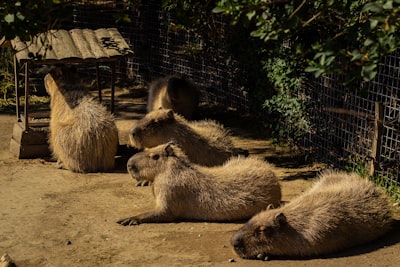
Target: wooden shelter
[{"x": 105, "y": 45}]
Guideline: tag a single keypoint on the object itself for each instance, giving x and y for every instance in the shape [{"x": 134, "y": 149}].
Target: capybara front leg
[{"x": 147, "y": 217}]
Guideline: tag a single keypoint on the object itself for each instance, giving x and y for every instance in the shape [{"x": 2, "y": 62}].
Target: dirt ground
[{"x": 52, "y": 217}]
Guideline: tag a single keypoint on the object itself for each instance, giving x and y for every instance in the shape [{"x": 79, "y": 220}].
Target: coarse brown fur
[
  {"x": 341, "y": 210},
  {"x": 173, "y": 92},
  {"x": 185, "y": 191},
  {"x": 205, "y": 142},
  {"x": 83, "y": 135}
]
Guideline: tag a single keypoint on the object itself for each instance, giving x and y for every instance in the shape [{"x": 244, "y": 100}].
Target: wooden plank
[
  {"x": 34, "y": 136},
  {"x": 29, "y": 151},
  {"x": 21, "y": 49},
  {"x": 106, "y": 40},
  {"x": 82, "y": 43},
  {"x": 123, "y": 46},
  {"x": 95, "y": 46},
  {"x": 63, "y": 45}
]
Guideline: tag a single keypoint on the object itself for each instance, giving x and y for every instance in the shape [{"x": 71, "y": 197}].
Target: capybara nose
[
  {"x": 134, "y": 131},
  {"x": 237, "y": 241},
  {"x": 130, "y": 165}
]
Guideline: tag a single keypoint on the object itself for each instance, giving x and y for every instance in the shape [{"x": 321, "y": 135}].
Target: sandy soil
[{"x": 52, "y": 217}]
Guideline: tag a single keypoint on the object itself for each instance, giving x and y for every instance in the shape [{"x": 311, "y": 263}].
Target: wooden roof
[{"x": 76, "y": 45}]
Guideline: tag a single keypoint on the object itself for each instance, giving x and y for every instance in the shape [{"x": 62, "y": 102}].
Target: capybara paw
[
  {"x": 128, "y": 221},
  {"x": 143, "y": 183},
  {"x": 60, "y": 165}
]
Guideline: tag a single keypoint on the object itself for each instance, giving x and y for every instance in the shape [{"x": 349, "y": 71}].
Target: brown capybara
[
  {"x": 341, "y": 210},
  {"x": 174, "y": 92},
  {"x": 83, "y": 135},
  {"x": 205, "y": 142},
  {"x": 185, "y": 191}
]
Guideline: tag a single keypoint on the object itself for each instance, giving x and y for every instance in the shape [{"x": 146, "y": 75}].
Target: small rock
[{"x": 231, "y": 260}]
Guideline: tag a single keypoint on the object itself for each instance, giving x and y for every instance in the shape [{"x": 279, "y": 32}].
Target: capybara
[
  {"x": 83, "y": 135},
  {"x": 340, "y": 211},
  {"x": 185, "y": 191},
  {"x": 205, "y": 142},
  {"x": 174, "y": 92}
]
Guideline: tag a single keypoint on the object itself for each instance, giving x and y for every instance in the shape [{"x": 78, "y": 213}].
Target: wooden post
[
  {"x": 377, "y": 139},
  {"x": 26, "y": 124},
  {"x": 112, "y": 85},
  {"x": 16, "y": 83}
]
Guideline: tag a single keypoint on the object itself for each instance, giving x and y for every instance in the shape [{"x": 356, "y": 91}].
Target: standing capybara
[
  {"x": 173, "y": 92},
  {"x": 340, "y": 211},
  {"x": 83, "y": 134},
  {"x": 205, "y": 142},
  {"x": 184, "y": 191}
]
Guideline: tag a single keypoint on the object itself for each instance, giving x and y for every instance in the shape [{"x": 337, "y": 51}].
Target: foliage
[
  {"x": 196, "y": 17},
  {"x": 286, "y": 112},
  {"x": 6, "y": 73},
  {"x": 25, "y": 18},
  {"x": 345, "y": 37}
]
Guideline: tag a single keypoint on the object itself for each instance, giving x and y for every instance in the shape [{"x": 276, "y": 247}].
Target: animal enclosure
[{"x": 351, "y": 128}]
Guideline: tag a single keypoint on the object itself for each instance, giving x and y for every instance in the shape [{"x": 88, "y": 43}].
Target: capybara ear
[
  {"x": 280, "y": 219},
  {"x": 169, "y": 150},
  {"x": 56, "y": 72}
]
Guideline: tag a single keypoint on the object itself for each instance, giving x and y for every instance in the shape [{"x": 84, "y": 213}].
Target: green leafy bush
[{"x": 345, "y": 37}]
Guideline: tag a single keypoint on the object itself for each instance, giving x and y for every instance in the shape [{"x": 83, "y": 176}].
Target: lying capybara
[
  {"x": 341, "y": 210},
  {"x": 174, "y": 92},
  {"x": 83, "y": 135},
  {"x": 205, "y": 142},
  {"x": 185, "y": 191}
]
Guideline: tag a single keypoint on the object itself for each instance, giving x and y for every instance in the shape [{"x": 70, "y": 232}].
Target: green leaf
[
  {"x": 251, "y": 14},
  {"x": 373, "y": 23},
  {"x": 9, "y": 18},
  {"x": 368, "y": 42},
  {"x": 356, "y": 55},
  {"x": 20, "y": 16},
  {"x": 218, "y": 9},
  {"x": 372, "y": 7},
  {"x": 388, "y": 5},
  {"x": 368, "y": 72}
]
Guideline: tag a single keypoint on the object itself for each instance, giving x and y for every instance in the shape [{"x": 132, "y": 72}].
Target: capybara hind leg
[{"x": 147, "y": 217}]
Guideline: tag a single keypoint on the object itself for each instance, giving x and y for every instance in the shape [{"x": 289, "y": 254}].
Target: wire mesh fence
[
  {"x": 160, "y": 51},
  {"x": 359, "y": 127}
]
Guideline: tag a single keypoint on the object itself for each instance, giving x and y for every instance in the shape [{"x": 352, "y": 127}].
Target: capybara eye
[
  {"x": 155, "y": 157},
  {"x": 265, "y": 231}
]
